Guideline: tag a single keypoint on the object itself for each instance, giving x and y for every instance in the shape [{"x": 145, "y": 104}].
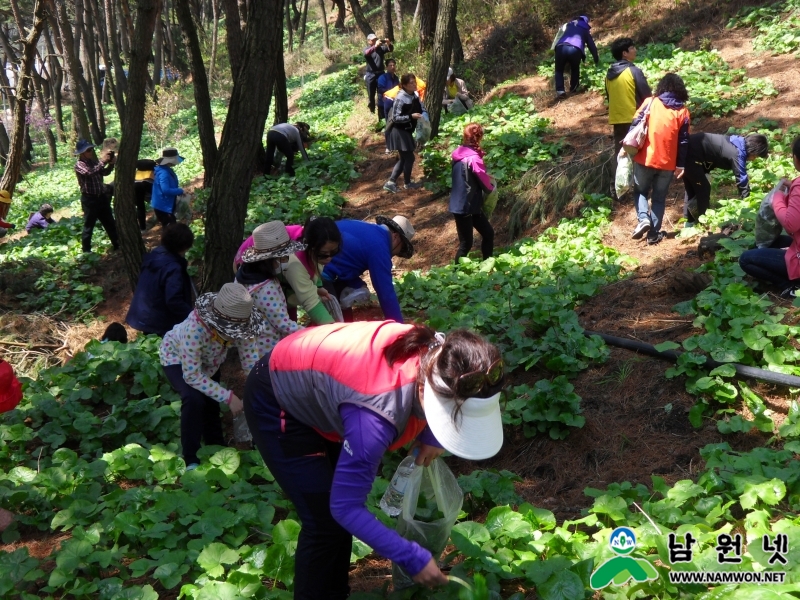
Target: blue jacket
[
  {"x": 165, "y": 189},
  {"x": 163, "y": 296},
  {"x": 577, "y": 34},
  {"x": 387, "y": 81},
  {"x": 366, "y": 246}
]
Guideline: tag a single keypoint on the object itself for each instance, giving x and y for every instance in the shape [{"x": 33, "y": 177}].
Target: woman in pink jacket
[{"x": 781, "y": 266}]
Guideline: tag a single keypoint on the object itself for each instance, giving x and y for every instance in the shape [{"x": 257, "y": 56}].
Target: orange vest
[
  {"x": 421, "y": 87},
  {"x": 660, "y": 150}
]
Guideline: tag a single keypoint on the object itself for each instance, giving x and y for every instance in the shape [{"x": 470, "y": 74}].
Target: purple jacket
[
  {"x": 577, "y": 34},
  {"x": 37, "y": 221}
]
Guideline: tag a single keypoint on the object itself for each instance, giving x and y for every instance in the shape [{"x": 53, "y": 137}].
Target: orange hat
[
  {"x": 10, "y": 388},
  {"x": 5, "y": 196}
]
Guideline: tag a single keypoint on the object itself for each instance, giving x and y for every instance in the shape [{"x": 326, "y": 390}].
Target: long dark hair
[
  {"x": 317, "y": 232},
  {"x": 256, "y": 272},
  {"x": 462, "y": 352}
]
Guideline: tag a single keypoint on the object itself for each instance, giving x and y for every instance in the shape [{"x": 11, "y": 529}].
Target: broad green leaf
[
  {"x": 214, "y": 556},
  {"x": 564, "y": 585},
  {"x": 769, "y": 492},
  {"x": 227, "y": 460},
  {"x": 469, "y": 538}
]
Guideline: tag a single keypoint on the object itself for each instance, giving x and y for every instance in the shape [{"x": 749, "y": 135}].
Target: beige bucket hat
[
  {"x": 271, "y": 240},
  {"x": 399, "y": 224},
  {"x": 231, "y": 312}
]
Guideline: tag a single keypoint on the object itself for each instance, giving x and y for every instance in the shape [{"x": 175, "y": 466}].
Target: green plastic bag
[
  {"x": 490, "y": 200},
  {"x": 431, "y": 505}
]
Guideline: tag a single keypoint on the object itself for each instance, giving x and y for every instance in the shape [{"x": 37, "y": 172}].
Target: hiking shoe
[
  {"x": 560, "y": 96},
  {"x": 387, "y": 151},
  {"x": 412, "y": 186},
  {"x": 390, "y": 186},
  {"x": 642, "y": 228},
  {"x": 654, "y": 238},
  {"x": 790, "y": 293}
]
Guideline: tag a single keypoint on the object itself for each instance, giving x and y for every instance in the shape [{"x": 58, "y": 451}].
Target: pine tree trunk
[
  {"x": 125, "y": 200},
  {"x": 326, "y": 44},
  {"x": 202, "y": 98},
  {"x": 398, "y": 15},
  {"x": 158, "y": 49},
  {"x": 241, "y": 138},
  {"x": 386, "y": 12},
  {"x": 339, "y": 24},
  {"x": 440, "y": 61},
  {"x": 303, "y": 20},
  {"x": 361, "y": 20},
  {"x": 79, "y": 117},
  {"x": 214, "y": 40},
  {"x": 288, "y": 16},
  {"x": 120, "y": 81},
  {"x": 235, "y": 38},
  {"x": 173, "y": 58},
  {"x": 4, "y": 145},
  {"x": 126, "y": 29},
  {"x": 458, "y": 49},
  {"x": 57, "y": 75},
  {"x": 243, "y": 14},
  {"x": 92, "y": 79},
  {"x": 15, "y": 159},
  {"x": 427, "y": 24},
  {"x": 281, "y": 95}
]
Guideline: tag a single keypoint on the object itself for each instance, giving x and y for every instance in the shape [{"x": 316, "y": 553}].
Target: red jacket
[
  {"x": 787, "y": 209},
  {"x": 10, "y": 388}
]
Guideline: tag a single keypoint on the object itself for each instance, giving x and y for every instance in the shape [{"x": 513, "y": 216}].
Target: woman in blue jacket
[
  {"x": 163, "y": 296},
  {"x": 165, "y": 186},
  {"x": 570, "y": 50}
]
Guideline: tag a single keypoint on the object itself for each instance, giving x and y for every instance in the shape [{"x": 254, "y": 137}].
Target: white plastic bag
[
  {"x": 183, "y": 208},
  {"x": 768, "y": 228},
  {"x": 561, "y": 31},
  {"x": 431, "y": 492},
  {"x": 623, "y": 180},
  {"x": 423, "y": 133},
  {"x": 333, "y": 308},
  {"x": 457, "y": 108}
]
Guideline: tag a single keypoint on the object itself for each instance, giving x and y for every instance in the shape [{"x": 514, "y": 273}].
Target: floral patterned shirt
[
  {"x": 194, "y": 346},
  {"x": 267, "y": 297}
]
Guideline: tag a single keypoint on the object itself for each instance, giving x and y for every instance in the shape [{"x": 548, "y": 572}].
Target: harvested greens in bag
[
  {"x": 423, "y": 133},
  {"x": 623, "y": 180},
  {"x": 768, "y": 228},
  {"x": 431, "y": 506},
  {"x": 490, "y": 200}
]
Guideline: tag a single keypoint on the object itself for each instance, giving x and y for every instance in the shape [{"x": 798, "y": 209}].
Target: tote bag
[{"x": 636, "y": 137}]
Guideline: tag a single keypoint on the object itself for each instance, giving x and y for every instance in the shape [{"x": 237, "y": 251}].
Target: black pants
[
  {"x": 165, "y": 218},
  {"x": 97, "y": 208},
  {"x": 381, "y": 112},
  {"x": 568, "y": 55},
  {"x": 464, "y": 226},
  {"x": 404, "y": 165},
  {"x": 371, "y": 81},
  {"x": 697, "y": 186},
  {"x": 302, "y": 462},
  {"x": 141, "y": 189},
  {"x": 275, "y": 139},
  {"x": 200, "y": 416}
]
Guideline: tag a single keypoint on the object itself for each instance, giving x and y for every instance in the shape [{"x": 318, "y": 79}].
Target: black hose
[{"x": 672, "y": 356}]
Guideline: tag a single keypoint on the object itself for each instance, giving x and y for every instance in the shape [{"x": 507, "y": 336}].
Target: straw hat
[
  {"x": 271, "y": 240},
  {"x": 399, "y": 224},
  {"x": 169, "y": 156},
  {"x": 478, "y": 432},
  {"x": 5, "y": 196},
  {"x": 231, "y": 312}
]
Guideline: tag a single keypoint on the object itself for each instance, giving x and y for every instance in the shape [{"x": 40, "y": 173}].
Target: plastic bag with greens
[{"x": 431, "y": 506}]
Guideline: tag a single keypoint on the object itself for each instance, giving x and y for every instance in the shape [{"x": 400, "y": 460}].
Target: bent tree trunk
[
  {"x": 202, "y": 98},
  {"x": 11, "y": 174},
  {"x": 361, "y": 20},
  {"x": 241, "y": 138},
  {"x": 440, "y": 60},
  {"x": 125, "y": 201}
]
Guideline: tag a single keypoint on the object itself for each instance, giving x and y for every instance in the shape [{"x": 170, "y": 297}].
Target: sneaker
[
  {"x": 390, "y": 186},
  {"x": 642, "y": 228},
  {"x": 560, "y": 96},
  {"x": 790, "y": 293},
  {"x": 387, "y": 151},
  {"x": 412, "y": 186},
  {"x": 656, "y": 238},
  {"x": 192, "y": 466}
]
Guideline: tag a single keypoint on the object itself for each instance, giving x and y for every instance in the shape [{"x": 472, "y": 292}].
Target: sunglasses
[
  {"x": 469, "y": 384},
  {"x": 324, "y": 255}
]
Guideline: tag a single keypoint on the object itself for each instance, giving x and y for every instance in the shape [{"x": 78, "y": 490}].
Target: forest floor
[{"x": 636, "y": 419}]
